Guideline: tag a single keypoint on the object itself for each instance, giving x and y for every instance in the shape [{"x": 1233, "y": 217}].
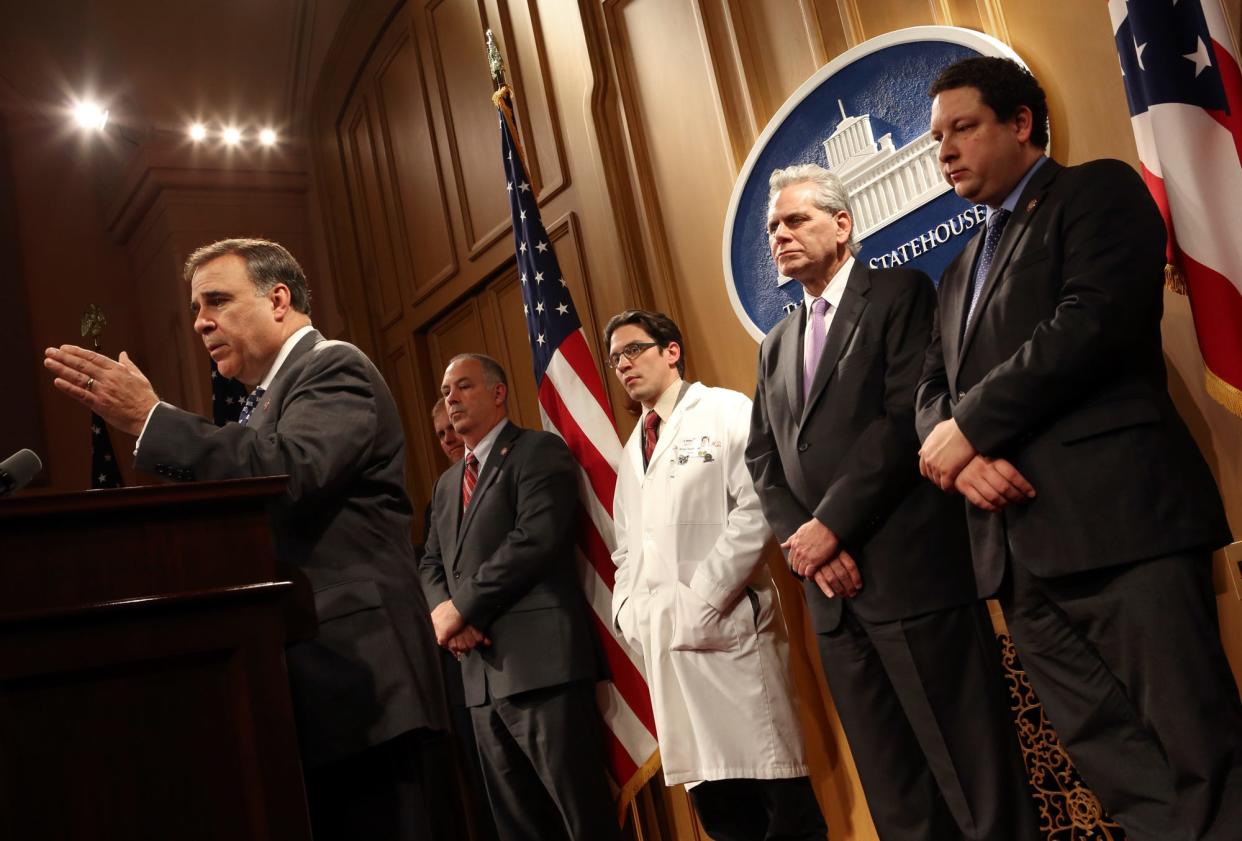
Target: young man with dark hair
[
  {"x": 694, "y": 598},
  {"x": 1092, "y": 514}
]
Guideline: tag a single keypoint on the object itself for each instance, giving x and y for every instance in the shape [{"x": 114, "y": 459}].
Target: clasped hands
[
  {"x": 453, "y": 633},
  {"x": 949, "y": 460},
  {"x": 814, "y": 552}
]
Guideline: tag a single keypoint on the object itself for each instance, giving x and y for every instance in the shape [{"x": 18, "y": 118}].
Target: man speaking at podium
[{"x": 320, "y": 412}]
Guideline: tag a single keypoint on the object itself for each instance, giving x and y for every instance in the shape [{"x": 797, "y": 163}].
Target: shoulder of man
[
  {"x": 725, "y": 398},
  {"x": 901, "y": 279},
  {"x": 778, "y": 331}
]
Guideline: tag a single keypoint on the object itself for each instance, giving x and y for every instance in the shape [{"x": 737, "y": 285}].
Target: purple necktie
[{"x": 815, "y": 347}]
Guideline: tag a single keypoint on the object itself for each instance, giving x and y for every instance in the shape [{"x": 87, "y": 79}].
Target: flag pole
[{"x": 502, "y": 96}]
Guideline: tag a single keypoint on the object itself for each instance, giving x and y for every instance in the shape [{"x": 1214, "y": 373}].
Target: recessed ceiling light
[
  {"x": 198, "y": 132},
  {"x": 90, "y": 115},
  {"x": 232, "y": 136},
  {"x": 267, "y": 137}
]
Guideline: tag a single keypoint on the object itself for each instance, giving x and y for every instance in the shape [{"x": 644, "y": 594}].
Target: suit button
[
  {"x": 803, "y": 447},
  {"x": 456, "y": 576}
]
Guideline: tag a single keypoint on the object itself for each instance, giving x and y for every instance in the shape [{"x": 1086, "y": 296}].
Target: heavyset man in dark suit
[
  {"x": 368, "y": 684},
  {"x": 908, "y": 650},
  {"x": 500, "y": 570},
  {"x": 1091, "y": 511}
]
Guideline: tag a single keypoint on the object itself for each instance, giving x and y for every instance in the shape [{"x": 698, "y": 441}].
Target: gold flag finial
[
  {"x": 495, "y": 61},
  {"x": 93, "y": 323}
]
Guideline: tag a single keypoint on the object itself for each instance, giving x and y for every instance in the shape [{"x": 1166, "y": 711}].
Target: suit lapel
[
  {"x": 259, "y": 416},
  {"x": 449, "y": 542},
  {"x": 955, "y": 299},
  {"x": 1029, "y": 203},
  {"x": 789, "y": 360},
  {"x": 491, "y": 469},
  {"x": 844, "y": 322}
]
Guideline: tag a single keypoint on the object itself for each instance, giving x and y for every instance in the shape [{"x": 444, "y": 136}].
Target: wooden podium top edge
[{"x": 140, "y": 496}]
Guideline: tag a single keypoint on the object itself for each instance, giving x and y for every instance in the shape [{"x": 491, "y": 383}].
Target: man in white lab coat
[{"x": 695, "y": 599}]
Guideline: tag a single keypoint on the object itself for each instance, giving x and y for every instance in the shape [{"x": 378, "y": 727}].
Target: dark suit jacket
[
  {"x": 329, "y": 422},
  {"x": 510, "y": 569},
  {"x": 848, "y": 454},
  {"x": 1061, "y": 372}
]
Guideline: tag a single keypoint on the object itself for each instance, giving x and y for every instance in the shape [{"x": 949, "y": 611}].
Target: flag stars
[
  {"x": 96, "y": 429},
  {"x": 523, "y": 248},
  {"x": 538, "y": 277},
  {"x": 561, "y": 280},
  {"x": 539, "y": 307},
  {"x": 541, "y": 247},
  {"x": 510, "y": 186},
  {"x": 522, "y": 215},
  {"x": 540, "y": 340},
  {"x": 1200, "y": 58},
  {"x": 523, "y": 279},
  {"x": 524, "y": 187},
  {"x": 1138, "y": 53},
  {"x": 562, "y": 308}
]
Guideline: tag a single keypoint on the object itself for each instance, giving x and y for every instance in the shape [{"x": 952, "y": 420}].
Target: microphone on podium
[{"x": 17, "y": 470}]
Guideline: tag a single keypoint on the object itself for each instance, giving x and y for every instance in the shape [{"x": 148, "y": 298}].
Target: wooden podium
[{"x": 143, "y": 692}]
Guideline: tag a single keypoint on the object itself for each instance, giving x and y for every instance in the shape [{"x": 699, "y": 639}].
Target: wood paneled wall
[{"x": 636, "y": 116}]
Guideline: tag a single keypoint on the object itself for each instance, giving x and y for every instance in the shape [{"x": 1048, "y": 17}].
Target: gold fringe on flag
[
  {"x": 1174, "y": 280},
  {"x": 1222, "y": 392},
  {"x": 630, "y": 790}
]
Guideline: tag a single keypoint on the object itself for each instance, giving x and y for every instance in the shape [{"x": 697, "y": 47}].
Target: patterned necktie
[
  {"x": 996, "y": 226},
  {"x": 468, "y": 481},
  {"x": 651, "y": 433},
  {"x": 252, "y": 400},
  {"x": 815, "y": 347}
]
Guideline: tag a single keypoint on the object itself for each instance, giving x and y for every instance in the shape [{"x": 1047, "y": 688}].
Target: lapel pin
[
  {"x": 504, "y": 451},
  {"x": 1032, "y": 204}
]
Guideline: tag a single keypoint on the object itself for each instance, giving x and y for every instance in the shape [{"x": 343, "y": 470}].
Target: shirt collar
[
  {"x": 285, "y": 350},
  {"x": 484, "y": 447},
  {"x": 1011, "y": 200},
  {"x": 834, "y": 290},
  {"x": 668, "y": 400}
]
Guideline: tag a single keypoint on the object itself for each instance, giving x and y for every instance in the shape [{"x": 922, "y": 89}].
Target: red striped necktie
[
  {"x": 651, "y": 434},
  {"x": 468, "y": 480}
]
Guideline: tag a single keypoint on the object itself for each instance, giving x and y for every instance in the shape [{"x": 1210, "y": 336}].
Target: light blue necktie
[
  {"x": 252, "y": 400},
  {"x": 996, "y": 226}
]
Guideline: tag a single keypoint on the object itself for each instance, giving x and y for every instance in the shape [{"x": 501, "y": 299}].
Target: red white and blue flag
[
  {"x": 1180, "y": 68},
  {"x": 573, "y": 404}
]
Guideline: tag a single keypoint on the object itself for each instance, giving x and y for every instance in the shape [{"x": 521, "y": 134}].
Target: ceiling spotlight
[
  {"x": 267, "y": 137},
  {"x": 232, "y": 136},
  {"x": 198, "y": 132},
  {"x": 90, "y": 115}
]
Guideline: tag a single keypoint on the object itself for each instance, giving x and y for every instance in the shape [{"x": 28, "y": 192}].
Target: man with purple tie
[{"x": 907, "y": 648}]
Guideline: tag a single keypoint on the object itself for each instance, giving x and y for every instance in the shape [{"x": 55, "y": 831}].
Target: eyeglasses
[{"x": 631, "y": 352}]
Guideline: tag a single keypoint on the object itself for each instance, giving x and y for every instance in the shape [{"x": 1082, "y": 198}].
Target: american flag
[
  {"x": 1180, "y": 68},
  {"x": 227, "y": 397},
  {"x": 572, "y": 404},
  {"x": 105, "y": 473}
]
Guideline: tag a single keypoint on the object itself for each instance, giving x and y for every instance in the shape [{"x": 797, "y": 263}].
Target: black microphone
[{"x": 17, "y": 470}]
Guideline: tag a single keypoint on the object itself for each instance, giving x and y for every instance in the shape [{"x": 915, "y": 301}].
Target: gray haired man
[{"x": 907, "y": 648}]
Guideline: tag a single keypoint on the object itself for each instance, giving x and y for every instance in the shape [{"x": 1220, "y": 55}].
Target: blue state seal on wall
[{"x": 863, "y": 116}]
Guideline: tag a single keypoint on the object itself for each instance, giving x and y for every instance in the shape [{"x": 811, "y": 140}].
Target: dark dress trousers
[
  {"x": 911, "y": 660},
  {"x": 371, "y": 674},
  {"x": 1104, "y": 576},
  {"x": 509, "y": 567}
]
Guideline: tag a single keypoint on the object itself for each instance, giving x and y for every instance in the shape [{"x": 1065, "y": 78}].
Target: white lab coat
[{"x": 693, "y": 597}]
